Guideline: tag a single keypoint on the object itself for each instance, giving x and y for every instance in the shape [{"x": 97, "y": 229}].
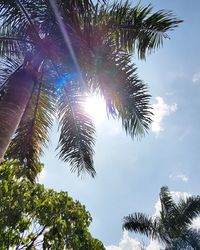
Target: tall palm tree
[
  {"x": 172, "y": 225},
  {"x": 56, "y": 52}
]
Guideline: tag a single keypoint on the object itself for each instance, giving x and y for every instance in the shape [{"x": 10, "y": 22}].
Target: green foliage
[
  {"x": 32, "y": 217},
  {"x": 32, "y": 133},
  {"x": 90, "y": 53},
  {"x": 136, "y": 29},
  {"x": 77, "y": 131},
  {"x": 172, "y": 225}
]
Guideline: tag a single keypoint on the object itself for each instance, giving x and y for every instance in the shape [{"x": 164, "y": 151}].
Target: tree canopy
[{"x": 32, "y": 217}]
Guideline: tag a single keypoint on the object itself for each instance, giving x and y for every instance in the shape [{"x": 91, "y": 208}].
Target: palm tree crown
[
  {"x": 68, "y": 49},
  {"x": 172, "y": 225}
]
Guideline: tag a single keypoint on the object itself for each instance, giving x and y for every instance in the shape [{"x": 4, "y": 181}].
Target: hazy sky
[{"x": 130, "y": 173}]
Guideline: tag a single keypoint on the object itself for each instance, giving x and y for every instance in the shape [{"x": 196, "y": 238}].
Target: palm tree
[
  {"x": 172, "y": 225},
  {"x": 56, "y": 52}
]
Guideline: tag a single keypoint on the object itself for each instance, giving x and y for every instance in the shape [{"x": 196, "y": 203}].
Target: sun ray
[{"x": 95, "y": 106}]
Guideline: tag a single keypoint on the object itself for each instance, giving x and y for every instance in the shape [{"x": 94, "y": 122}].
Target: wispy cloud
[
  {"x": 181, "y": 177},
  {"x": 160, "y": 110},
  {"x": 196, "y": 78}
]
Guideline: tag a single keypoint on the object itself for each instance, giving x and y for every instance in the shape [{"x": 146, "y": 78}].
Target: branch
[{"x": 30, "y": 244}]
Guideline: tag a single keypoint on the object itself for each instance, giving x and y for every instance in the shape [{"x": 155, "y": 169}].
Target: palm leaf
[
  {"x": 12, "y": 43},
  {"x": 11, "y": 15},
  {"x": 138, "y": 28},
  {"x": 7, "y": 68},
  {"x": 140, "y": 223},
  {"x": 126, "y": 96},
  {"x": 77, "y": 131},
  {"x": 167, "y": 203},
  {"x": 32, "y": 134},
  {"x": 188, "y": 209},
  {"x": 189, "y": 240},
  {"x": 18, "y": 15},
  {"x": 192, "y": 237}
]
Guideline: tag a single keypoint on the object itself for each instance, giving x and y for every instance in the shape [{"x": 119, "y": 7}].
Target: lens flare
[{"x": 67, "y": 40}]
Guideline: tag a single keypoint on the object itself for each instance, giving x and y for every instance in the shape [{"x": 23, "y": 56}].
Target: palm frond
[
  {"x": 139, "y": 223},
  {"x": 188, "y": 210},
  {"x": 126, "y": 96},
  {"x": 139, "y": 29},
  {"x": 11, "y": 15},
  {"x": 189, "y": 240},
  {"x": 7, "y": 69},
  {"x": 32, "y": 134},
  {"x": 18, "y": 15},
  {"x": 77, "y": 131},
  {"x": 11, "y": 42},
  {"x": 192, "y": 237},
  {"x": 167, "y": 203}
]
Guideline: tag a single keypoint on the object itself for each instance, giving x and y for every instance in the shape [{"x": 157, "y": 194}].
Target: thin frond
[
  {"x": 166, "y": 200},
  {"x": 126, "y": 96},
  {"x": 139, "y": 223},
  {"x": 189, "y": 240},
  {"x": 11, "y": 15},
  {"x": 12, "y": 43},
  {"x": 77, "y": 131},
  {"x": 8, "y": 68},
  {"x": 188, "y": 210},
  {"x": 139, "y": 29}
]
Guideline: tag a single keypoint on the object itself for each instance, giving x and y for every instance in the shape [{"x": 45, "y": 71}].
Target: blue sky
[{"x": 130, "y": 173}]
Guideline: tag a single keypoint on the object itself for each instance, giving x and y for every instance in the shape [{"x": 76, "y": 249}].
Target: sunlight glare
[{"x": 95, "y": 106}]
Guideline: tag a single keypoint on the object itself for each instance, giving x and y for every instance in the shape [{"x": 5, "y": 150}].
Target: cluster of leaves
[
  {"x": 172, "y": 226},
  {"x": 32, "y": 217},
  {"x": 85, "y": 47}
]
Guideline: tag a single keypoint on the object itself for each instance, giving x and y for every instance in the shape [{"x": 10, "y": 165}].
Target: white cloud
[
  {"x": 179, "y": 195},
  {"x": 126, "y": 243},
  {"x": 160, "y": 111},
  {"x": 196, "y": 78},
  {"x": 153, "y": 245},
  {"x": 181, "y": 177}
]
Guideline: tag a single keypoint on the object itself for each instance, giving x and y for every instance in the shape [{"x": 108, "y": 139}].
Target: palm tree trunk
[
  {"x": 16, "y": 98},
  {"x": 12, "y": 106}
]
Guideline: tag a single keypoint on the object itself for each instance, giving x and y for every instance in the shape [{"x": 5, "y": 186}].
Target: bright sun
[{"x": 96, "y": 108}]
